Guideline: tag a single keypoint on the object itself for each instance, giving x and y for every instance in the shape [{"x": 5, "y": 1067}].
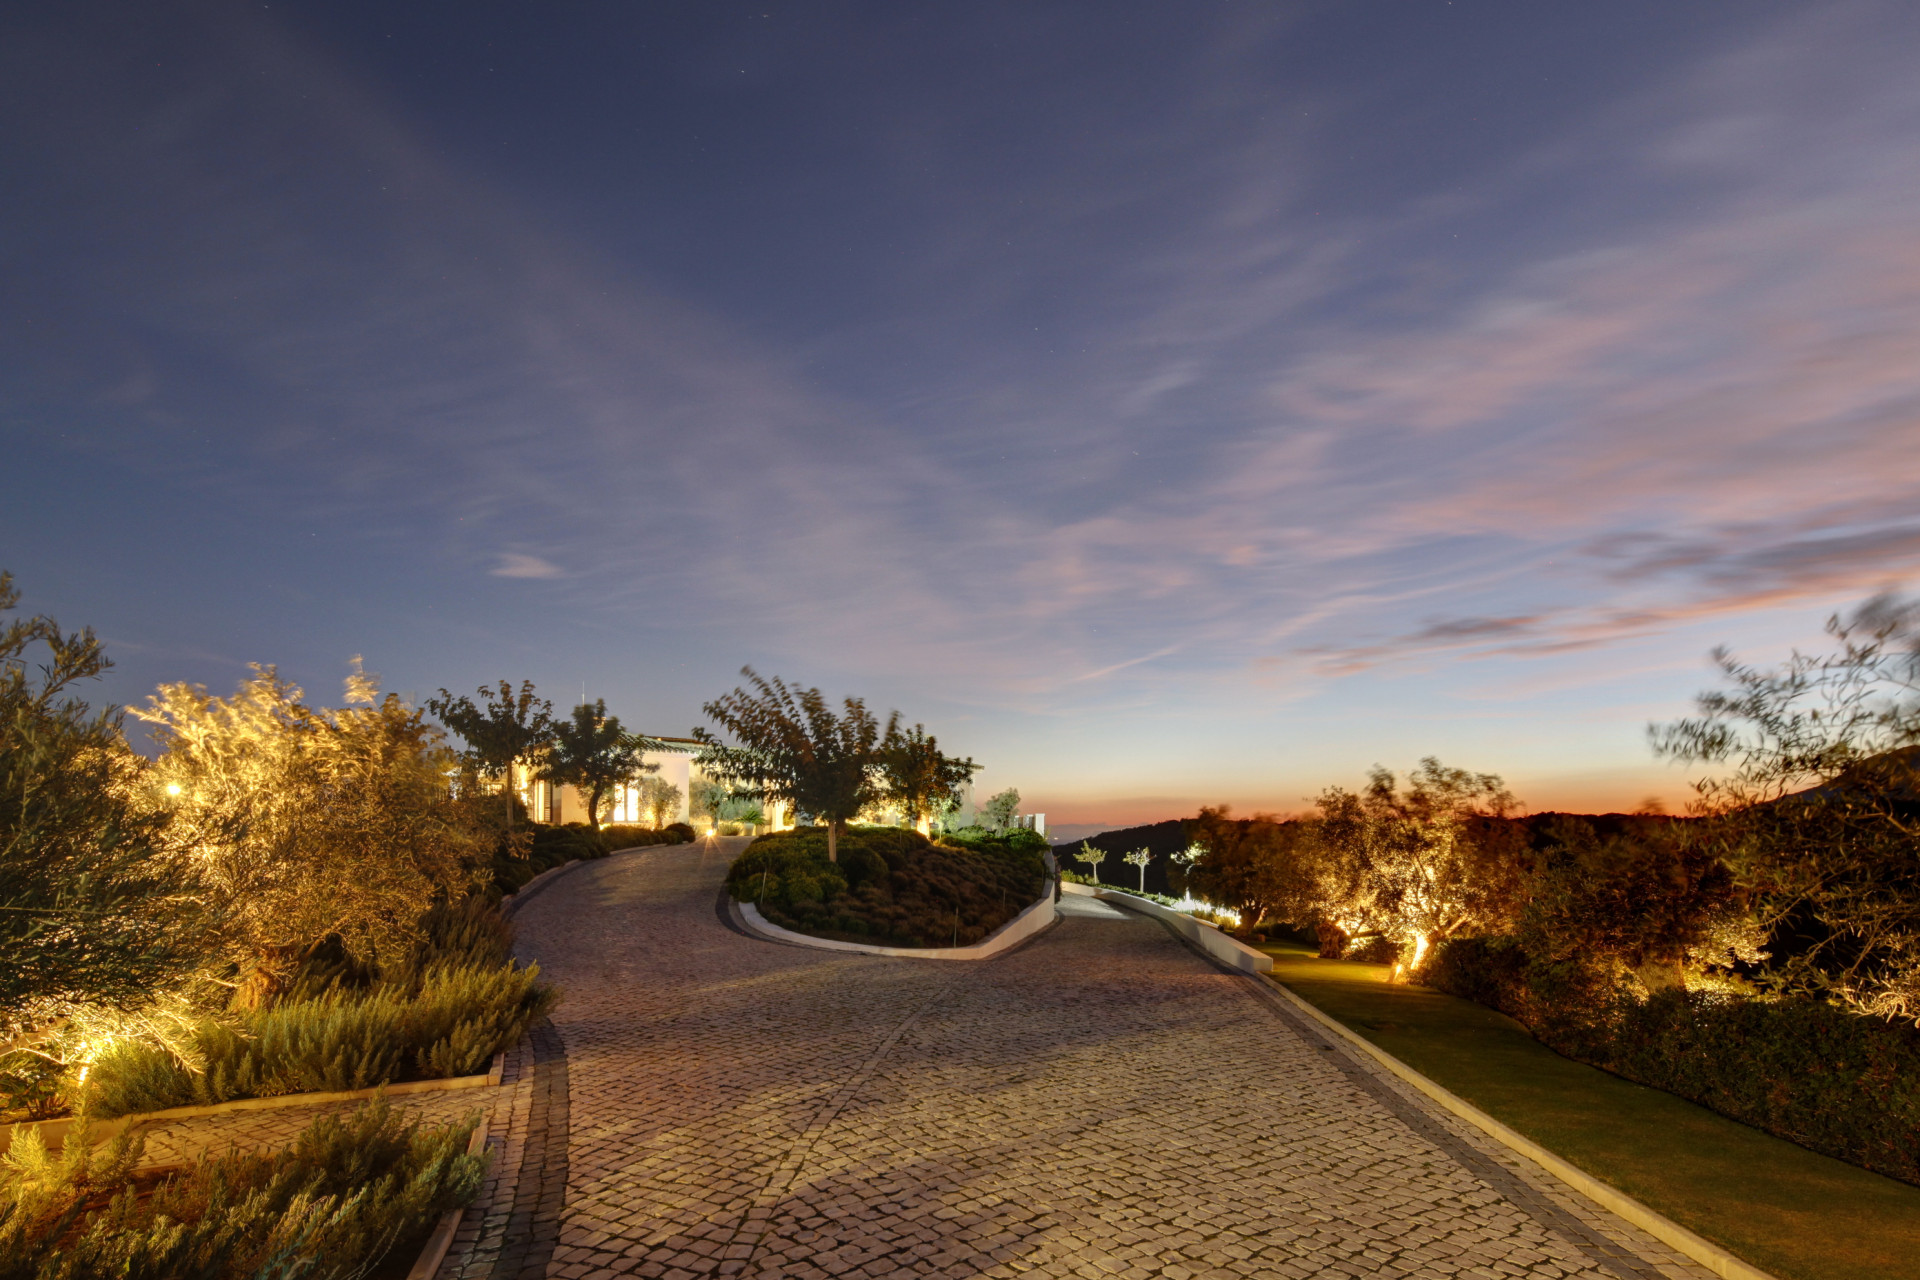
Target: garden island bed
[{"x": 891, "y": 886}]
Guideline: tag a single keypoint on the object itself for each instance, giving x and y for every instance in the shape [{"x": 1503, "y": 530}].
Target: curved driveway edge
[{"x": 1034, "y": 919}]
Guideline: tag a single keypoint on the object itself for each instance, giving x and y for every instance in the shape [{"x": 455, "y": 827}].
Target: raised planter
[
  {"x": 1012, "y": 933},
  {"x": 54, "y": 1132}
]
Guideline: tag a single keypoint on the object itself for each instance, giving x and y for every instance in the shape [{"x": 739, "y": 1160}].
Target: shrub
[
  {"x": 444, "y": 1021},
  {"x": 890, "y": 886},
  {"x": 348, "y": 1191},
  {"x": 1375, "y": 948},
  {"x": 1829, "y": 1079}
]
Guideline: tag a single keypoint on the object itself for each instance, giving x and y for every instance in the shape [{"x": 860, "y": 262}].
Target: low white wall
[
  {"x": 1226, "y": 950},
  {"x": 1017, "y": 930}
]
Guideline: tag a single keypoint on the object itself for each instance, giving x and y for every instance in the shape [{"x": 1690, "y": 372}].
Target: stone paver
[{"x": 1100, "y": 1102}]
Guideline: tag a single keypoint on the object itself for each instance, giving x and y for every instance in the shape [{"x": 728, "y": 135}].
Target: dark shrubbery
[
  {"x": 350, "y": 1190},
  {"x": 1831, "y": 1080},
  {"x": 891, "y": 886}
]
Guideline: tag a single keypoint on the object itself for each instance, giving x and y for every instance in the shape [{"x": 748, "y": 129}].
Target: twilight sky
[{"x": 1165, "y": 403}]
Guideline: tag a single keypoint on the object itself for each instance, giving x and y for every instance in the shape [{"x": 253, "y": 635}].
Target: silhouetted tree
[
  {"x": 791, "y": 746},
  {"x": 917, "y": 776},
  {"x": 591, "y": 753}
]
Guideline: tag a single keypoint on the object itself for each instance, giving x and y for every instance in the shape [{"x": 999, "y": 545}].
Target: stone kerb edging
[
  {"x": 1705, "y": 1252},
  {"x": 434, "y": 1252},
  {"x": 1017, "y": 930},
  {"x": 1228, "y": 951},
  {"x": 54, "y": 1132}
]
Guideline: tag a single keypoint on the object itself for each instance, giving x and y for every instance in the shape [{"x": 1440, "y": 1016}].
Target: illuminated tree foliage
[
  {"x": 1649, "y": 893},
  {"x": 1818, "y": 812},
  {"x": 918, "y": 776},
  {"x": 997, "y": 813},
  {"x": 1257, "y": 866},
  {"x": 791, "y": 746},
  {"x": 592, "y": 753},
  {"x": 303, "y": 824},
  {"x": 659, "y": 801},
  {"x": 93, "y": 910},
  {"x": 1418, "y": 865}
]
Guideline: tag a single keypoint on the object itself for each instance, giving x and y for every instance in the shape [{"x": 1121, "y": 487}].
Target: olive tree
[
  {"x": 304, "y": 823},
  {"x": 1816, "y": 810},
  {"x": 97, "y": 910},
  {"x": 790, "y": 745},
  {"x": 1256, "y": 867},
  {"x": 997, "y": 813},
  {"x": 1415, "y": 861}
]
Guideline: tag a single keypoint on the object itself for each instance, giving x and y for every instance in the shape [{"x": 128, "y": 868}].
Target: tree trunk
[
  {"x": 833, "y": 841},
  {"x": 1333, "y": 939}
]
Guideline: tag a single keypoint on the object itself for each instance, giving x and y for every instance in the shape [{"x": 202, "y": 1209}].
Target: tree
[
  {"x": 1415, "y": 861},
  {"x": 708, "y": 798},
  {"x": 659, "y": 800},
  {"x": 1647, "y": 893},
  {"x": 917, "y": 776},
  {"x": 1140, "y": 858},
  {"x": 304, "y": 824},
  {"x": 509, "y": 729},
  {"x": 1818, "y": 812},
  {"x": 1092, "y": 856},
  {"x": 1255, "y": 866},
  {"x": 998, "y": 813},
  {"x": 1183, "y": 863},
  {"x": 96, "y": 909},
  {"x": 792, "y": 746},
  {"x": 590, "y": 752}
]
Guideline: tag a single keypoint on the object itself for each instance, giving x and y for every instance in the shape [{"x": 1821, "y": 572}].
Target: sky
[{"x": 1165, "y": 404}]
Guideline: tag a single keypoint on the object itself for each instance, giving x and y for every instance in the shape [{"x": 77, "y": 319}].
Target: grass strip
[{"x": 1790, "y": 1211}]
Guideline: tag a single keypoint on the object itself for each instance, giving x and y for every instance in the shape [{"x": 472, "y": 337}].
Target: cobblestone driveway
[{"x": 1100, "y": 1102}]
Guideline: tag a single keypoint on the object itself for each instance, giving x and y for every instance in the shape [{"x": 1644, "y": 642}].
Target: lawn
[{"x": 1781, "y": 1207}]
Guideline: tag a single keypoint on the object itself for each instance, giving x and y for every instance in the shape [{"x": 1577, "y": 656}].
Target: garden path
[{"x": 1098, "y": 1102}]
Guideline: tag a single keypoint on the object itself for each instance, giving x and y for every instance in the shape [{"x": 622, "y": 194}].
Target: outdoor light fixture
[{"x": 173, "y": 788}]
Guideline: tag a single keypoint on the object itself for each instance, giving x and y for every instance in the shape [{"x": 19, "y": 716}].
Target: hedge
[{"x": 1834, "y": 1081}]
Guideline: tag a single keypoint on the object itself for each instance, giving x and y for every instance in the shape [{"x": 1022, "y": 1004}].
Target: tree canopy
[
  {"x": 791, "y": 745},
  {"x": 505, "y": 728},
  {"x": 591, "y": 752},
  {"x": 1818, "y": 810},
  {"x": 95, "y": 909},
  {"x": 303, "y": 824},
  {"x": 918, "y": 776}
]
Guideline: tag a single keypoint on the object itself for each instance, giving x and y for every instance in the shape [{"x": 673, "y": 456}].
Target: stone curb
[
  {"x": 435, "y": 1250},
  {"x": 1218, "y": 946},
  {"x": 1017, "y": 930},
  {"x": 1660, "y": 1227},
  {"x": 55, "y": 1131}
]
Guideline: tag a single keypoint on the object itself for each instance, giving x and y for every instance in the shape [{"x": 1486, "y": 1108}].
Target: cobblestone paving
[{"x": 1100, "y": 1102}]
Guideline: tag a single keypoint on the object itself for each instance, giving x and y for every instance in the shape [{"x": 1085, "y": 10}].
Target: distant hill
[{"x": 1162, "y": 839}]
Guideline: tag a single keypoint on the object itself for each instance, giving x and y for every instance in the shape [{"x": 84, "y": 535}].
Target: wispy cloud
[{"x": 514, "y": 564}]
